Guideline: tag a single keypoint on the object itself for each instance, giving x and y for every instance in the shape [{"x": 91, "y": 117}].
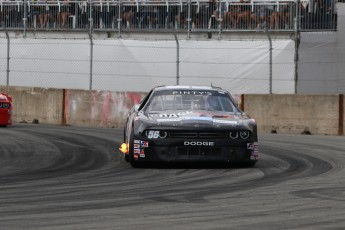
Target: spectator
[
  {"x": 109, "y": 13},
  {"x": 161, "y": 14},
  {"x": 64, "y": 13},
  {"x": 211, "y": 13},
  {"x": 53, "y": 12},
  {"x": 97, "y": 13},
  {"x": 82, "y": 15},
  {"x": 244, "y": 16},
  {"x": 230, "y": 17},
  {"x": 280, "y": 17},
  {"x": 127, "y": 14},
  {"x": 142, "y": 15},
  {"x": 43, "y": 14},
  {"x": 11, "y": 16},
  {"x": 263, "y": 14},
  {"x": 172, "y": 14}
]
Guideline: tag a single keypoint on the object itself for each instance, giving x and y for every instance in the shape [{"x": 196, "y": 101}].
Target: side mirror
[{"x": 136, "y": 107}]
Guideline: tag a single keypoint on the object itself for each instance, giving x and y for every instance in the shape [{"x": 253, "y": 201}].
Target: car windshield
[{"x": 190, "y": 100}]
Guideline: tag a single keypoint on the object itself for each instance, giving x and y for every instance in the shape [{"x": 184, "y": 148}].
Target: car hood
[{"x": 199, "y": 118}]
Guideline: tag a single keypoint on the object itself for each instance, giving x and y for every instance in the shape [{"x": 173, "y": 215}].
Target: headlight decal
[
  {"x": 233, "y": 135},
  {"x": 244, "y": 134},
  {"x": 237, "y": 135}
]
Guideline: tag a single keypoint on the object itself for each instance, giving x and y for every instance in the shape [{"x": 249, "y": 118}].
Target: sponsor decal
[
  {"x": 254, "y": 151},
  {"x": 172, "y": 115},
  {"x": 198, "y": 143},
  {"x": 225, "y": 122},
  {"x": 198, "y": 118},
  {"x": 142, "y": 154},
  {"x": 191, "y": 92},
  {"x": 140, "y": 144},
  {"x": 144, "y": 144},
  {"x": 256, "y": 146},
  {"x": 250, "y": 146},
  {"x": 169, "y": 120},
  {"x": 138, "y": 148},
  {"x": 185, "y": 118}
]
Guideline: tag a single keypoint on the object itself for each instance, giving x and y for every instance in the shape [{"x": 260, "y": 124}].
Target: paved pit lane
[{"x": 54, "y": 177}]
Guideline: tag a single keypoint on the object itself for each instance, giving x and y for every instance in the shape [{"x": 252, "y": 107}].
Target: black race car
[{"x": 189, "y": 123}]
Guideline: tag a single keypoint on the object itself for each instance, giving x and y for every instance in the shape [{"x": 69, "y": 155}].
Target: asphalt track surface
[{"x": 54, "y": 177}]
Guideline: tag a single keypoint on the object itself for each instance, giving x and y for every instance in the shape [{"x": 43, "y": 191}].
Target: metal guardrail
[{"x": 156, "y": 15}]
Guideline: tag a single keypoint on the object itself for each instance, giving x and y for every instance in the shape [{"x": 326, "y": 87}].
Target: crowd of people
[{"x": 156, "y": 14}]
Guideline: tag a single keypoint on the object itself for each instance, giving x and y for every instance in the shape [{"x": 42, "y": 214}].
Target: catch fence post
[
  {"x": 91, "y": 59},
  {"x": 8, "y": 61},
  {"x": 297, "y": 42},
  {"x": 270, "y": 60},
  {"x": 177, "y": 59}
]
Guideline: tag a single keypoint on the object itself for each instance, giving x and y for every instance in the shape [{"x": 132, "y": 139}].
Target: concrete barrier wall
[
  {"x": 36, "y": 103},
  {"x": 317, "y": 114},
  {"x": 99, "y": 108}
]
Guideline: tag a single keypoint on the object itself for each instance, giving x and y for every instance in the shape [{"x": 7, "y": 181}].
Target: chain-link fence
[
  {"x": 266, "y": 64},
  {"x": 243, "y": 66}
]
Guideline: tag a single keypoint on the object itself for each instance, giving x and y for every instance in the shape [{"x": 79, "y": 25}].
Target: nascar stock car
[
  {"x": 5, "y": 109},
  {"x": 189, "y": 123}
]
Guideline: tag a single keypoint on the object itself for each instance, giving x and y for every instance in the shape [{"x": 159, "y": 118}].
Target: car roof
[{"x": 187, "y": 87}]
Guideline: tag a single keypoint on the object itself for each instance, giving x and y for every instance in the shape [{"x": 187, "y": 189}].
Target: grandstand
[{"x": 161, "y": 15}]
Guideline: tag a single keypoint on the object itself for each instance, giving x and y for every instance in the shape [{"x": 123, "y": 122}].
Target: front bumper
[
  {"x": 5, "y": 117},
  {"x": 198, "y": 151}
]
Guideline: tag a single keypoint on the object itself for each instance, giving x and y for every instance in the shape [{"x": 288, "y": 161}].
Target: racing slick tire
[
  {"x": 134, "y": 163},
  {"x": 247, "y": 164},
  {"x": 127, "y": 157},
  {"x": 124, "y": 141}
]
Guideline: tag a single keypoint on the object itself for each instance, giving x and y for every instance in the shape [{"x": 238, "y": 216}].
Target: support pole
[
  {"x": 297, "y": 42},
  {"x": 91, "y": 59},
  {"x": 8, "y": 61},
  {"x": 177, "y": 59},
  {"x": 270, "y": 60}
]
